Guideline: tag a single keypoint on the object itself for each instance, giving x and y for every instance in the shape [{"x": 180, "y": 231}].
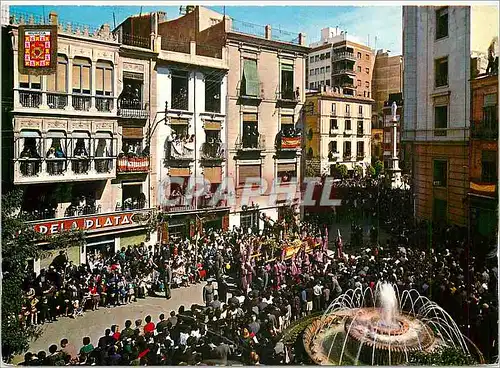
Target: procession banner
[{"x": 37, "y": 49}]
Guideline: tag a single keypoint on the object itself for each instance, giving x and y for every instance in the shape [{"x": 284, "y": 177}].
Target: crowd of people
[{"x": 253, "y": 291}]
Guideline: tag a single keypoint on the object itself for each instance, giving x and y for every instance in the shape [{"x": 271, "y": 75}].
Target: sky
[{"x": 368, "y": 23}]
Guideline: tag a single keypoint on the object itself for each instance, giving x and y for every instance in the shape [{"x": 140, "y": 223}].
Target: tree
[
  {"x": 341, "y": 170},
  {"x": 441, "y": 357},
  {"x": 19, "y": 244},
  {"x": 370, "y": 170},
  {"x": 358, "y": 170},
  {"x": 379, "y": 167}
]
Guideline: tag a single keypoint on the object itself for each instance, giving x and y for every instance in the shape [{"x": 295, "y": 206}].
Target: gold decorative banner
[
  {"x": 485, "y": 188},
  {"x": 37, "y": 49}
]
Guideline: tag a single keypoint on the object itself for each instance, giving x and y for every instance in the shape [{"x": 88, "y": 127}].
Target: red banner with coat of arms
[{"x": 37, "y": 49}]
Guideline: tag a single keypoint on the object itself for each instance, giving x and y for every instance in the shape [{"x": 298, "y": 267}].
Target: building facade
[
  {"x": 387, "y": 79},
  {"x": 483, "y": 159},
  {"x": 437, "y": 102},
  {"x": 65, "y": 140},
  {"x": 338, "y": 131},
  {"x": 340, "y": 61}
]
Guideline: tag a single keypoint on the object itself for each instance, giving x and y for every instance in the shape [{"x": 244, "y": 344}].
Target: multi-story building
[
  {"x": 437, "y": 101},
  {"x": 387, "y": 79},
  {"x": 64, "y": 133},
  {"x": 483, "y": 160},
  {"x": 188, "y": 135},
  {"x": 265, "y": 94},
  {"x": 337, "y": 131},
  {"x": 340, "y": 61}
]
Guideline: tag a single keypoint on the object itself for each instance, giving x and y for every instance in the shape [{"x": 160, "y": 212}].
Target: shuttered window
[
  {"x": 104, "y": 79},
  {"x": 30, "y": 81},
  {"x": 81, "y": 76},
  {"x": 250, "y": 81},
  {"x": 132, "y": 132},
  {"x": 248, "y": 171},
  {"x": 213, "y": 174},
  {"x": 58, "y": 82}
]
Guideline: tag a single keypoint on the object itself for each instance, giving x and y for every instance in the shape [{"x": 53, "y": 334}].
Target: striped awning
[{"x": 179, "y": 171}]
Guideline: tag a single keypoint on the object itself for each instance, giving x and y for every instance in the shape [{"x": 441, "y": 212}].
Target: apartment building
[
  {"x": 387, "y": 79},
  {"x": 63, "y": 137},
  {"x": 188, "y": 135},
  {"x": 437, "y": 101},
  {"x": 338, "y": 131},
  {"x": 340, "y": 61},
  {"x": 483, "y": 159}
]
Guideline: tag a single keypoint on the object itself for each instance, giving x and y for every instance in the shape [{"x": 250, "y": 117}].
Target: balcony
[
  {"x": 290, "y": 143},
  {"x": 132, "y": 165},
  {"x": 484, "y": 130},
  {"x": 212, "y": 153},
  {"x": 333, "y": 156},
  {"x": 82, "y": 103},
  {"x": 180, "y": 102},
  {"x": 334, "y": 130},
  {"x": 179, "y": 153},
  {"x": 348, "y": 131},
  {"x": 250, "y": 143},
  {"x": 104, "y": 104},
  {"x": 133, "y": 109},
  {"x": 343, "y": 56},
  {"x": 344, "y": 71},
  {"x": 479, "y": 187},
  {"x": 360, "y": 133},
  {"x": 288, "y": 97},
  {"x": 31, "y": 99},
  {"x": 347, "y": 156},
  {"x": 184, "y": 204},
  {"x": 136, "y": 41},
  {"x": 360, "y": 156},
  {"x": 49, "y": 170},
  {"x": 57, "y": 101}
]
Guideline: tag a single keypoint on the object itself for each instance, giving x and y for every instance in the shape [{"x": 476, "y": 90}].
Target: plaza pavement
[{"x": 93, "y": 323}]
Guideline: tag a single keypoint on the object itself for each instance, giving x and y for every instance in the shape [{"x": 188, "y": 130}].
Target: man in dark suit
[{"x": 167, "y": 279}]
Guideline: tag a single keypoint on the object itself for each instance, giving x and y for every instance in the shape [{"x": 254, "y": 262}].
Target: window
[
  {"x": 30, "y": 81},
  {"x": 311, "y": 85},
  {"x": 348, "y": 110},
  {"x": 212, "y": 95},
  {"x": 367, "y": 56},
  {"x": 316, "y": 71},
  {"x": 322, "y": 70},
  {"x": 490, "y": 111},
  {"x": 360, "y": 127},
  {"x": 311, "y": 59},
  {"x": 316, "y": 58},
  {"x": 359, "y": 83},
  {"x": 311, "y": 72},
  {"x": 327, "y": 55},
  {"x": 327, "y": 69},
  {"x": 81, "y": 76},
  {"x": 334, "y": 108},
  {"x": 367, "y": 70},
  {"x": 367, "y": 84},
  {"x": 489, "y": 166},
  {"x": 248, "y": 171},
  {"x": 322, "y": 56},
  {"x": 131, "y": 96},
  {"x": 287, "y": 125},
  {"x": 104, "y": 79},
  {"x": 440, "y": 173},
  {"x": 347, "y": 149},
  {"x": 250, "y": 80},
  {"x": 249, "y": 220},
  {"x": 58, "y": 82},
  {"x": 347, "y": 125},
  {"x": 441, "y": 23},
  {"x": 441, "y": 72},
  {"x": 440, "y": 120},
  {"x": 333, "y": 124},
  {"x": 359, "y": 69},
  {"x": 287, "y": 172},
  {"x": 179, "y": 90},
  {"x": 360, "y": 109},
  {"x": 327, "y": 82},
  {"x": 332, "y": 147},
  {"x": 368, "y": 95},
  {"x": 287, "y": 91},
  {"x": 359, "y": 55},
  {"x": 250, "y": 136},
  {"x": 103, "y": 144},
  {"x": 360, "y": 146},
  {"x": 132, "y": 197}
]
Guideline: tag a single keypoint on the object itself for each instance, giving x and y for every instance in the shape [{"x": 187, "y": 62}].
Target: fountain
[{"x": 380, "y": 328}]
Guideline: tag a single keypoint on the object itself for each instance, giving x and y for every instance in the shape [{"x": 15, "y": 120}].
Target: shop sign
[{"x": 92, "y": 223}]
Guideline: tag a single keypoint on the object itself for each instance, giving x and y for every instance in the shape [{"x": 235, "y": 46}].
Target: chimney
[
  {"x": 162, "y": 16},
  {"x": 53, "y": 18},
  {"x": 268, "y": 32},
  {"x": 302, "y": 39}
]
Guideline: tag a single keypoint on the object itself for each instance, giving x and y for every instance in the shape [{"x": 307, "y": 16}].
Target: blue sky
[{"x": 364, "y": 22}]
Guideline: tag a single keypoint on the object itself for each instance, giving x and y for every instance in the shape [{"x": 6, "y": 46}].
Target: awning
[
  {"x": 286, "y": 119},
  {"x": 248, "y": 171},
  {"x": 287, "y": 67},
  {"x": 250, "y": 117},
  {"x": 212, "y": 125},
  {"x": 213, "y": 174},
  {"x": 30, "y": 134},
  {"x": 178, "y": 121},
  {"x": 131, "y": 75},
  {"x": 132, "y": 132},
  {"x": 286, "y": 167},
  {"x": 251, "y": 77},
  {"x": 179, "y": 171}
]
